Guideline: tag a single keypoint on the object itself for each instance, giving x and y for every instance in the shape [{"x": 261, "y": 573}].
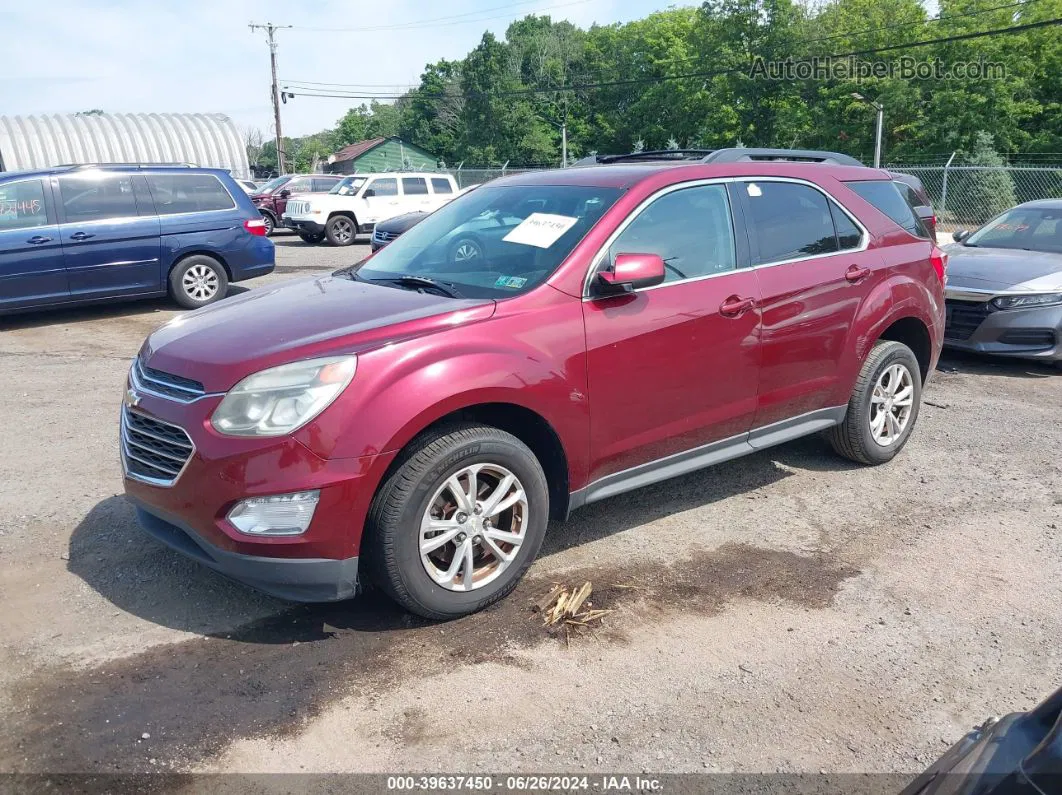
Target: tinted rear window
[
  {"x": 440, "y": 185},
  {"x": 414, "y": 185},
  {"x": 188, "y": 193},
  {"x": 886, "y": 196},
  {"x": 790, "y": 220}
]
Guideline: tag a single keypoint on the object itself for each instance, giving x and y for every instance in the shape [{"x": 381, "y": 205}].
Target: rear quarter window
[
  {"x": 188, "y": 193},
  {"x": 887, "y": 198}
]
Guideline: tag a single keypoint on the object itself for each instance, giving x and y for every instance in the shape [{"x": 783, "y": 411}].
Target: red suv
[{"x": 418, "y": 418}]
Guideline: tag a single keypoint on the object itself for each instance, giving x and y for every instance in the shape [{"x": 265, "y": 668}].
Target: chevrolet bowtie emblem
[{"x": 132, "y": 398}]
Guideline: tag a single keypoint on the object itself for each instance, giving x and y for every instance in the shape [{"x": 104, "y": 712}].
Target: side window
[
  {"x": 300, "y": 185},
  {"x": 887, "y": 198},
  {"x": 848, "y": 234},
  {"x": 440, "y": 185},
  {"x": 97, "y": 197},
  {"x": 188, "y": 193},
  {"x": 22, "y": 205},
  {"x": 689, "y": 229},
  {"x": 414, "y": 186},
  {"x": 384, "y": 187},
  {"x": 790, "y": 221},
  {"x": 323, "y": 185}
]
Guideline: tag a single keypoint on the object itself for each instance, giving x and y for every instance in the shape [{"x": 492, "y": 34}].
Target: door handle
[
  {"x": 736, "y": 305},
  {"x": 856, "y": 273},
  {"x": 37, "y": 240},
  {"x": 81, "y": 236}
]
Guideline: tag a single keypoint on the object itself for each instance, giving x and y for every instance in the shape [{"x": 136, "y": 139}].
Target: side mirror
[
  {"x": 368, "y": 194},
  {"x": 284, "y": 193},
  {"x": 960, "y": 235},
  {"x": 630, "y": 272}
]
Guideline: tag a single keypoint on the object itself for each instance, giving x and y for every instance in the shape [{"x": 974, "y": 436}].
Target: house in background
[
  {"x": 203, "y": 139},
  {"x": 381, "y": 154}
]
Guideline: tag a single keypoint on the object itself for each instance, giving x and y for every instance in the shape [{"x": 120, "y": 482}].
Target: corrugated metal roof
[
  {"x": 205, "y": 139},
  {"x": 351, "y": 151}
]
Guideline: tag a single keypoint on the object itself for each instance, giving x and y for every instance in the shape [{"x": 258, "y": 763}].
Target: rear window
[
  {"x": 412, "y": 186},
  {"x": 188, "y": 193},
  {"x": 886, "y": 196},
  {"x": 440, "y": 185}
]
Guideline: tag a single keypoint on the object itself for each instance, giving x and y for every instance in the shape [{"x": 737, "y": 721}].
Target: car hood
[
  {"x": 224, "y": 342},
  {"x": 1003, "y": 270},
  {"x": 402, "y": 223}
]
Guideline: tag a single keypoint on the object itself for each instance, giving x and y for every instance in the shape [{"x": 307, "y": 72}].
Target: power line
[
  {"x": 439, "y": 22},
  {"x": 693, "y": 75}
]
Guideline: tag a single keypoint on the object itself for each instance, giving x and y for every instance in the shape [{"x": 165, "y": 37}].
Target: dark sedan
[
  {"x": 1004, "y": 290},
  {"x": 386, "y": 231}
]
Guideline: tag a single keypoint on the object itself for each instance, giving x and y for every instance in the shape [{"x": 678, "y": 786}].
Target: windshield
[
  {"x": 494, "y": 242},
  {"x": 273, "y": 184},
  {"x": 1035, "y": 229},
  {"x": 349, "y": 186}
]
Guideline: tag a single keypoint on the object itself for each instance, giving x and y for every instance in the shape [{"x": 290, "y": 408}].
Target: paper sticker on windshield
[
  {"x": 540, "y": 229},
  {"x": 512, "y": 282}
]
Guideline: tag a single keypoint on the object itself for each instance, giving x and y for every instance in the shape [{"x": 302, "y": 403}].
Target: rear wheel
[
  {"x": 457, "y": 524},
  {"x": 270, "y": 222},
  {"x": 883, "y": 408},
  {"x": 340, "y": 230},
  {"x": 311, "y": 237},
  {"x": 197, "y": 281}
]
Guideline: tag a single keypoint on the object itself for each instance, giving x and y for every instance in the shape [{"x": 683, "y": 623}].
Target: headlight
[
  {"x": 1025, "y": 301},
  {"x": 282, "y": 399}
]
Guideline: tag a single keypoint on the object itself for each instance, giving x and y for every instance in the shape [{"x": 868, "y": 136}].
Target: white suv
[{"x": 361, "y": 201}]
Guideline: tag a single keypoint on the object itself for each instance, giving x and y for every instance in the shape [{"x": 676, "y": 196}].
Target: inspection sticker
[
  {"x": 540, "y": 229},
  {"x": 512, "y": 282}
]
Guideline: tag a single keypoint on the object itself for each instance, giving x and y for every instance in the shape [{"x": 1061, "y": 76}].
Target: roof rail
[
  {"x": 83, "y": 166},
  {"x": 748, "y": 155},
  {"x": 733, "y": 155}
]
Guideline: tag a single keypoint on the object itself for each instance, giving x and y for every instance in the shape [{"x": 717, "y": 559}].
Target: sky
[{"x": 127, "y": 56}]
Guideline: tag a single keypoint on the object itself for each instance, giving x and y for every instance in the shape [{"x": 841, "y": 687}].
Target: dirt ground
[{"x": 784, "y": 612}]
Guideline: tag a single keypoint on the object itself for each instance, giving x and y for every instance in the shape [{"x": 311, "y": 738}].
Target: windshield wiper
[{"x": 410, "y": 280}]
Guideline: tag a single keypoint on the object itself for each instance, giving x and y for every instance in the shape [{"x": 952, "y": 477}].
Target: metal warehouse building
[{"x": 203, "y": 139}]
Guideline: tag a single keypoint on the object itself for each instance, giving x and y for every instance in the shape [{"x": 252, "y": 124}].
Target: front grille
[
  {"x": 297, "y": 208},
  {"x": 384, "y": 237},
  {"x": 152, "y": 450},
  {"x": 964, "y": 317},
  {"x": 1029, "y": 337},
  {"x": 177, "y": 387}
]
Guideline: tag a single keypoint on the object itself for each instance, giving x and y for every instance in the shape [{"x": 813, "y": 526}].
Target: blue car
[{"x": 83, "y": 234}]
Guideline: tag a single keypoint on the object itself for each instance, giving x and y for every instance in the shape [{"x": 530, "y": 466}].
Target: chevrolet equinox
[{"x": 543, "y": 342}]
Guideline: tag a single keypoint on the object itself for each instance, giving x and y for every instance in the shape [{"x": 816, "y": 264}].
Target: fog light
[{"x": 276, "y": 515}]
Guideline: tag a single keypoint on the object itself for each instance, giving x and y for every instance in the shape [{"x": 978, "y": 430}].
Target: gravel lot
[{"x": 787, "y": 611}]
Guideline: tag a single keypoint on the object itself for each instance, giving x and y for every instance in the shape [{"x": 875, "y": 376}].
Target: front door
[
  {"x": 674, "y": 367},
  {"x": 814, "y": 273},
  {"x": 111, "y": 244},
  {"x": 31, "y": 254}
]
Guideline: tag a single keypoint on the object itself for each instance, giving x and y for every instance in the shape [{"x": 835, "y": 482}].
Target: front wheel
[
  {"x": 340, "y": 230},
  {"x": 311, "y": 237},
  {"x": 883, "y": 408},
  {"x": 197, "y": 281},
  {"x": 457, "y": 524}
]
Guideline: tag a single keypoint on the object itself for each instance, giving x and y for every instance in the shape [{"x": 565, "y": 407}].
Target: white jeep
[{"x": 361, "y": 201}]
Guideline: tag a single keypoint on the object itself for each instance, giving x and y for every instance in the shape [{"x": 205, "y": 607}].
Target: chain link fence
[{"x": 964, "y": 197}]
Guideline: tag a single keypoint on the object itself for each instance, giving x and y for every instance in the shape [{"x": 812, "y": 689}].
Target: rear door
[
  {"x": 814, "y": 271},
  {"x": 32, "y": 271},
  {"x": 111, "y": 241},
  {"x": 674, "y": 367},
  {"x": 415, "y": 195}
]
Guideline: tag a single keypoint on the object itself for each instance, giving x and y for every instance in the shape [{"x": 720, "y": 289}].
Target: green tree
[{"x": 983, "y": 194}]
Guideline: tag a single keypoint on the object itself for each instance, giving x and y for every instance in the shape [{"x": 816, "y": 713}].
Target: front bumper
[
  {"x": 975, "y": 326},
  {"x": 190, "y": 513},
  {"x": 295, "y": 579},
  {"x": 303, "y": 225}
]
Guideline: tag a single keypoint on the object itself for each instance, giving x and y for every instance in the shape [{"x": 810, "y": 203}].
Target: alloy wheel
[
  {"x": 342, "y": 230},
  {"x": 200, "y": 282},
  {"x": 466, "y": 250},
  {"x": 891, "y": 403},
  {"x": 473, "y": 527}
]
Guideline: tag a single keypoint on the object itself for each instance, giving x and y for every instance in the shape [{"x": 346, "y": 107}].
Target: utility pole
[
  {"x": 271, "y": 30},
  {"x": 877, "y": 127}
]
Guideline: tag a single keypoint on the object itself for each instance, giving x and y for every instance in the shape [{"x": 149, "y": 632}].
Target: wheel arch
[
  {"x": 525, "y": 424},
  {"x": 913, "y": 333},
  {"x": 200, "y": 252},
  {"x": 345, "y": 213}
]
